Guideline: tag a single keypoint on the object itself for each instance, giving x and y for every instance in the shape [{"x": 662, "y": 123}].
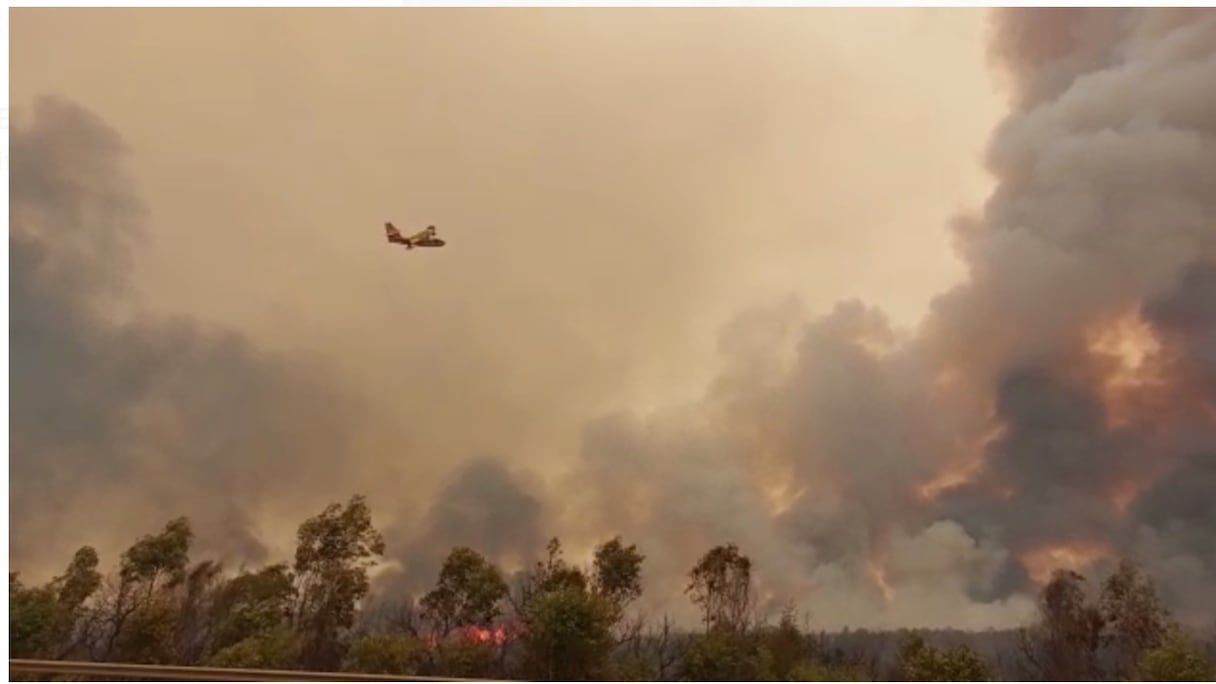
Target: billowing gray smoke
[
  {"x": 134, "y": 420},
  {"x": 875, "y": 475},
  {"x": 484, "y": 507},
  {"x": 953, "y": 466},
  {"x": 1104, "y": 210}
]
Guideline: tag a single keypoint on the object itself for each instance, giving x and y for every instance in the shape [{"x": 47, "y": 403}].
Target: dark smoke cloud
[
  {"x": 143, "y": 418},
  {"x": 1105, "y": 168},
  {"x": 808, "y": 464},
  {"x": 147, "y": 417},
  {"x": 1186, "y": 316},
  {"x": 485, "y": 507},
  {"x": 1056, "y": 456},
  {"x": 1102, "y": 207}
]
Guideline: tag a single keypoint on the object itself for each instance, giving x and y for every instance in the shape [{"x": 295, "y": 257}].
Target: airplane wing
[{"x": 391, "y": 232}]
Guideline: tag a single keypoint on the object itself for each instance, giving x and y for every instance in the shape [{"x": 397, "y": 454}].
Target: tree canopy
[{"x": 555, "y": 620}]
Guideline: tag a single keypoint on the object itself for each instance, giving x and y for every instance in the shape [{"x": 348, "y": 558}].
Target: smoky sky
[
  {"x": 146, "y": 415},
  {"x": 697, "y": 289}
]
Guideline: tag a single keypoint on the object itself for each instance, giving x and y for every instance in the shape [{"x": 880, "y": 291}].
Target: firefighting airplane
[{"x": 424, "y": 238}]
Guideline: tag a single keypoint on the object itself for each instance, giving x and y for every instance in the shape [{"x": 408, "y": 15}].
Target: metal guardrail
[{"x": 200, "y": 674}]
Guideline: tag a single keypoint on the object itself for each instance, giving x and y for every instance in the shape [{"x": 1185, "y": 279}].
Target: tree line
[{"x": 555, "y": 621}]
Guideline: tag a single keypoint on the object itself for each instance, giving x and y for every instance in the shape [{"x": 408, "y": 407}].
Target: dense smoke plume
[
  {"x": 1057, "y": 408},
  {"x": 137, "y": 415},
  {"x": 1054, "y": 410}
]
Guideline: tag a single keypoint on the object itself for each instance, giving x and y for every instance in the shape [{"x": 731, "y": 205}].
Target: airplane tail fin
[{"x": 391, "y": 232}]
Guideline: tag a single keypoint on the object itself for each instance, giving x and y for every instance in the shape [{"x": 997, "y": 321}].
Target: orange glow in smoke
[
  {"x": 963, "y": 471},
  {"x": 781, "y": 496},
  {"x": 1128, "y": 339},
  {"x": 876, "y": 570},
  {"x": 878, "y": 574},
  {"x": 960, "y": 474},
  {"x": 1122, "y": 495},
  {"x": 1126, "y": 347},
  {"x": 1040, "y": 563}
]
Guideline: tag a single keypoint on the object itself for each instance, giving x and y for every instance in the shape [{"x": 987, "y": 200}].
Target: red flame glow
[{"x": 496, "y": 635}]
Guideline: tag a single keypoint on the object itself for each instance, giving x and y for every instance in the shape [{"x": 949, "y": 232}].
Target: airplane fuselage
[{"x": 429, "y": 242}]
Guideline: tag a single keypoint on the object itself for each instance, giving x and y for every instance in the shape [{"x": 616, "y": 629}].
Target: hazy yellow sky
[
  {"x": 625, "y": 179},
  {"x": 613, "y": 186}
]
